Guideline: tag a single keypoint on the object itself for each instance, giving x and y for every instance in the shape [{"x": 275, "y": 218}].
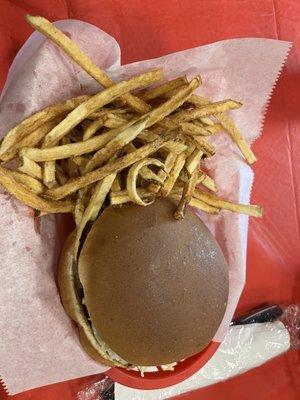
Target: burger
[{"x": 145, "y": 289}]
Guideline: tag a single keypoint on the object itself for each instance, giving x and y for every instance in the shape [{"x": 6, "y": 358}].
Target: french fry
[
  {"x": 30, "y": 168},
  {"x": 123, "y": 138},
  {"x": 194, "y": 130},
  {"x": 114, "y": 121},
  {"x": 117, "y": 198},
  {"x": 252, "y": 210},
  {"x": 206, "y": 121},
  {"x": 171, "y": 179},
  {"x": 203, "y": 111},
  {"x": 132, "y": 177},
  {"x": 80, "y": 204},
  {"x": 229, "y": 125},
  {"x": 116, "y": 185},
  {"x": 30, "y": 199},
  {"x": 37, "y": 120},
  {"x": 202, "y": 145},
  {"x": 196, "y": 203},
  {"x": 169, "y": 164},
  {"x": 71, "y": 149},
  {"x": 49, "y": 177},
  {"x": 34, "y": 185},
  {"x": 193, "y": 161},
  {"x": 174, "y": 146},
  {"x": 72, "y": 168},
  {"x": 158, "y": 91},
  {"x": 145, "y": 172},
  {"x": 97, "y": 101},
  {"x": 216, "y": 128},
  {"x": 208, "y": 182},
  {"x": 95, "y": 204},
  {"x": 59, "y": 38},
  {"x": 93, "y": 128},
  {"x": 188, "y": 190},
  {"x": 100, "y": 173}
]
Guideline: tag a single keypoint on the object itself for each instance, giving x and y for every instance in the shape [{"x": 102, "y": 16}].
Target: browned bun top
[{"x": 156, "y": 289}]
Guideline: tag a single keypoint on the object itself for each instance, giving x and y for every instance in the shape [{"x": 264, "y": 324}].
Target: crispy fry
[
  {"x": 169, "y": 164},
  {"x": 209, "y": 183},
  {"x": 70, "y": 150},
  {"x": 253, "y": 210},
  {"x": 158, "y": 91},
  {"x": 194, "y": 130},
  {"x": 93, "y": 128},
  {"x": 121, "y": 197},
  {"x": 116, "y": 185},
  {"x": 72, "y": 168},
  {"x": 209, "y": 109},
  {"x": 114, "y": 121},
  {"x": 59, "y": 38},
  {"x": 206, "y": 121},
  {"x": 96, "y": 102},
  {"x": 132, "y": 177},
  {"x": 193, "y": 161},
  {"x": 188, "y": 190},
  {"x": 100, "y": 173},
  {"x": 123, "y": 138},
  {"x": 200, "y": 205},
  {"x": 95, "y": 204},
  {"x": 237, "y": 137},
  {"x": 30, "y": 199},
  {"x": 174, "y": 146},
  {"x": 34, "y": 185},
  {"x": 202, "y": 145},
  {"x": 49, "y": 177},
  {"x": 30, "y": 168},
  {"x": 145, "y": 172},
  {"x": 80, "y": 204},
  {"x": 170, "y": 181},
  {"x": 37, "y": 120}
]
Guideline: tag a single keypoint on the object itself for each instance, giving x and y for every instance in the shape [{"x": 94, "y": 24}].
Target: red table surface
[{"x": 151, "y": 28}]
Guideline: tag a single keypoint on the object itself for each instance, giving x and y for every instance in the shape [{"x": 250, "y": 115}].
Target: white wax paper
[{"x": 39, "y": 343}]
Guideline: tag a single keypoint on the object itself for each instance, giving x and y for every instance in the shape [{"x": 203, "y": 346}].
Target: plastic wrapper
[{"x": 34, "y": 328}]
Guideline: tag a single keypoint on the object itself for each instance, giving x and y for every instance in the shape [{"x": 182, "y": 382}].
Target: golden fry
[
  {"x": 209, "y": 183},
  {"x": 121, "y": 197},
  {"x": 132, "y": 178},
  {"x": 172, "y": 178},
  {"x": 30, "y": 168},
  {"x": 145, "y": 172},
  {"x": 252, "y": 210},
  {"x": 188, "y": 190},
  {"x": 194, "y": 130},
  {"x": 158, "y": 91},
  {"x": 30, "y": 199},
  {"x": 209, "y": 109},
  {"x": 70, "y": 150},
  {"x": 60, "y": 39},
  {"x": 95, "y": 204},
  {"x": 237, "y": 137},
  {"x": 93, "y": 128},
  {"x": 31, "y": 183},
  {"x": 193, "y": 161},
  {"x": 169, "y": 164},
  {"x": 49, "y": 176}
]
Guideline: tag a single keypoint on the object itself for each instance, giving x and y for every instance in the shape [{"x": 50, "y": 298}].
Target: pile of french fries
[{"x": 116, "y": 147}]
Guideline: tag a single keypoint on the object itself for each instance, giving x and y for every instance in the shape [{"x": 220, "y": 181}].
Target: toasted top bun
[{"x": 155, "y": 289}]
